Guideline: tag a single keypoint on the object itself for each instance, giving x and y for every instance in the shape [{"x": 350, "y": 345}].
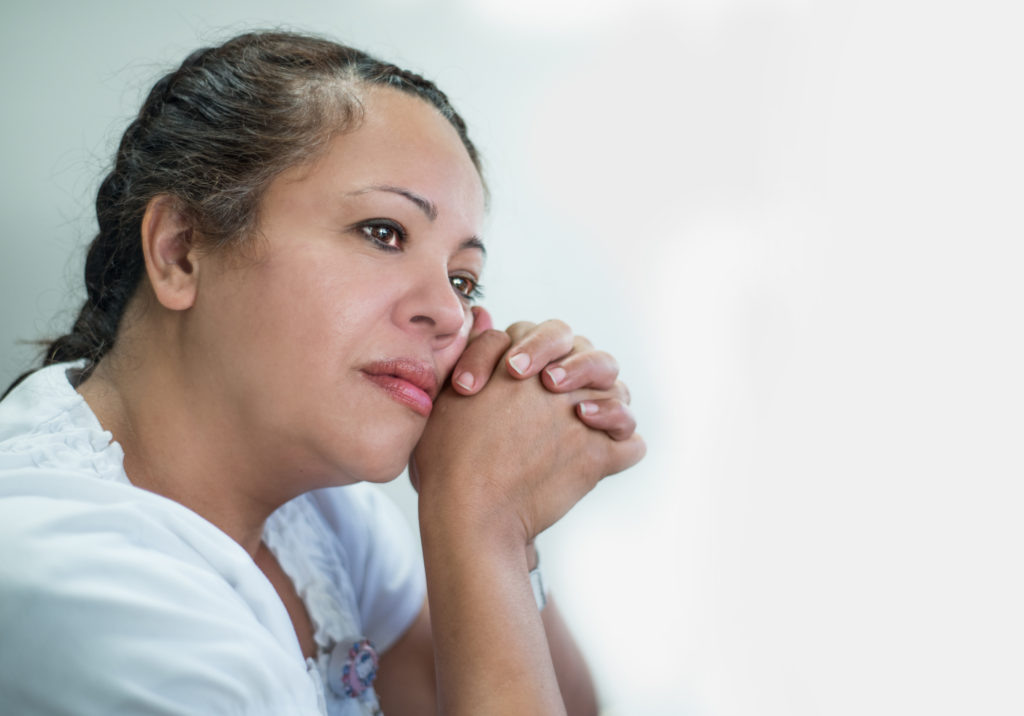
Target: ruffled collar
[{"x": 46, "y": 421}]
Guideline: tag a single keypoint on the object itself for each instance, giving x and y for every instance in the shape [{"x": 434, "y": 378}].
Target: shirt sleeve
[
  {"x": 384, "y": 564},
  {"x": 107, "y": 607}
]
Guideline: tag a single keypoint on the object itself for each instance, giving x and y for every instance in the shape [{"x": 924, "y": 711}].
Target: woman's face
[{"x": 329, "y": 343}]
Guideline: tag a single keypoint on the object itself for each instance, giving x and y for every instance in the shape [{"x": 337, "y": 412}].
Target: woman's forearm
[{"x": 491, "y": 652}]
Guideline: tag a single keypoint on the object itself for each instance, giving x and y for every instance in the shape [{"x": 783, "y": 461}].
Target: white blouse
[{"x": 114, "y": 599}]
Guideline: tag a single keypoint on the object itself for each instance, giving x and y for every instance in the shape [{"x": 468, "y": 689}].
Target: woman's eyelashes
[
  {"x": 467, "y": 287},
  {"x": 388, "y": 235}
]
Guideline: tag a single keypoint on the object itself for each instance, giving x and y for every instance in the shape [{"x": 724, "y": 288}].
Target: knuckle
[
  {"x": 609, "y": 360},
  {"x": 622, "y": 415},
  {"x": 620, "y": 433},
  {"x": 494, "y": 335},
  {"x": 582, "y": 343},
  {"x": 639, "y": 449},
  {"x": 623, "y": 391},
  {"x": 630, "y": 427},
  {"x": 558, "y": 326},
  {"x": 520, "y": 327}
]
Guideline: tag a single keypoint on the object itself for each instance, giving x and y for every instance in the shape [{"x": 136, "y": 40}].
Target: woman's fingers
[
  {"x": 483, "y": 352},
  {"x": 564, "y": 362},
  {"x": 477, "y": 362},
  {"x": 535, "y": 346},
  {"x": 609, "y": 415},
  {"x": 527, "y": 349},
  {"x": 482, "y": 321},
  {"x": 586, "y": 369}
]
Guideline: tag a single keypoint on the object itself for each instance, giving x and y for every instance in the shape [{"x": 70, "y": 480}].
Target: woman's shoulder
[
  {"x": 46, "y": 425},
  {"x": 70, "y": 516},
  {"x": 117, "y": 590},
  {"x": 108, "y": 606},
  {"x": 59, "y": 524}
]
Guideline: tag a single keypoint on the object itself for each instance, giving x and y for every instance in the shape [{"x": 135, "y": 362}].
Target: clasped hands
[{"x": 507, "y": 451}]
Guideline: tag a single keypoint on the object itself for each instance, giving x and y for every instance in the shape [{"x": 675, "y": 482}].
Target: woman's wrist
[
  {"x": 454, "y": 518},
  {"x": 446, "y": 533}
]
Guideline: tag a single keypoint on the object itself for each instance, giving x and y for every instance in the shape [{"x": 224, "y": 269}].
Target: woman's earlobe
[{"x": 168, "y": 244}]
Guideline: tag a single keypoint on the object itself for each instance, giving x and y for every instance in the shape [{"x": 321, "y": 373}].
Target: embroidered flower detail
[{"x": 352, "y": 667}]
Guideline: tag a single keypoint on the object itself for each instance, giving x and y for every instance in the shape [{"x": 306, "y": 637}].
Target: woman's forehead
[{"x": 402, "y": 143}]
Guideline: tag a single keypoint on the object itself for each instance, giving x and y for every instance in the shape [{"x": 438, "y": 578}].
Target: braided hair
[{"x": 213, "y": 134}]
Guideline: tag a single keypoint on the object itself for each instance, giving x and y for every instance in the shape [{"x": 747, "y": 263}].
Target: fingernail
[
  {"x": 465, "y": 380},
  {"x": 557, "y": 374},
  {"x": 588, "y": 408},
  {"x": 519, "y": 362}
]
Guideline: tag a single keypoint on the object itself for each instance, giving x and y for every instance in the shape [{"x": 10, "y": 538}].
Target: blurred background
[{"x": 797, "y": 225}]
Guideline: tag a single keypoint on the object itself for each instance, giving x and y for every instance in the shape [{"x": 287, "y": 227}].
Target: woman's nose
[{"x": 433, "y": 307}]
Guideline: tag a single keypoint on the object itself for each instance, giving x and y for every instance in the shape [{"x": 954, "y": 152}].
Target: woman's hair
[{"x": 213, "y": 134}]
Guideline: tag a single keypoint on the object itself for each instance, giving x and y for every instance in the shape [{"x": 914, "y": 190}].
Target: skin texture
[{"x": 262, "y": 359}]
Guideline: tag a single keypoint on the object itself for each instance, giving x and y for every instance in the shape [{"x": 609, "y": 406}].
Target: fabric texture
[{"x": 117, "y": 600}]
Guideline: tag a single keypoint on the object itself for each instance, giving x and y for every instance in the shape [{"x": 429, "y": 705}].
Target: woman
[{"x": 283, "y": 279}]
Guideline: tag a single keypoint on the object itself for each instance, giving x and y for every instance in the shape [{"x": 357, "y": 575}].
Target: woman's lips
[{"x": 409, "y": 382}]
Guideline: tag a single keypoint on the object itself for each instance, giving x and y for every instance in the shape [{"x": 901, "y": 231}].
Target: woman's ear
[{"x": 168, "y": 245}]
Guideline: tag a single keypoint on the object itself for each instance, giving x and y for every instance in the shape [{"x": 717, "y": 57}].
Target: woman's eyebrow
[
  {"x": 426, "y": 206},
  {"x": 473, "y": 242}
]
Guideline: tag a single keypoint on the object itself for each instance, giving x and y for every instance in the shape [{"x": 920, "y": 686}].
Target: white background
[{"x": 798, "y": 226}]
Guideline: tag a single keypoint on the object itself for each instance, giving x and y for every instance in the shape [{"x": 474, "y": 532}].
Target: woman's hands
[
  {"x": 517, "y": 436},
  {"x": 513, "y": 457}
]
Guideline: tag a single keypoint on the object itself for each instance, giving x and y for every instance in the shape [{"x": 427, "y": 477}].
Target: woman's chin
[
  {"x": 382, "y": 476},
  {"x": 384, "y": 469}
]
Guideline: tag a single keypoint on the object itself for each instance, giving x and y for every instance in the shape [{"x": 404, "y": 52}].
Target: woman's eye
[
  {"x": 466, "y": 286},
  {"x": 384, "y": 234}
]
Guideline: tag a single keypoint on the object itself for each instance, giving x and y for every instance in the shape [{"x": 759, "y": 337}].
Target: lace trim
[
  {"x": 305, "y": 548},
  {"x": 71, "y": 436}
]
